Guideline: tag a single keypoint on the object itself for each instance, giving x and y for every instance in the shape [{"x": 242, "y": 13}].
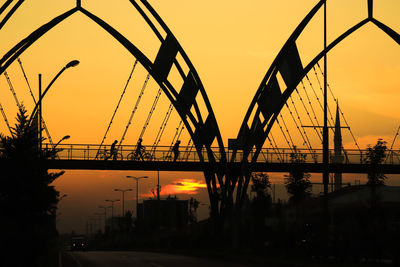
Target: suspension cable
[
  {"x": 309, "y": 116},
  {"x": 307, "y": 140},
  {"x": 34, "y": 101},
  {"x": 394, "y": 139},
  {"x": 308, "y": 145},
  {"x": 162, "y": 128},
  {"x": 322, "y": 90},
  {"x": 5, "y": 119},
  {"x": 391, "y": 147},
  {"x": 287, "y": 130},
  {"x": 26, "y": 79},
  {"x": 12, "y": 90},
  {"x": 152, "y": 109},
  {"x": 340, "y": 110},
  {"x": 330, "y": 118},
  {"x": 309, "y": 102},
  {"x": 178, "y": 133},
  {"x": 283, "y": 133},
  {"x": 116, "y": 109},
  {"x": 134, "y": 109},
  {"x": 274, "y": 146},
  {"x": 188, "y": 150}
]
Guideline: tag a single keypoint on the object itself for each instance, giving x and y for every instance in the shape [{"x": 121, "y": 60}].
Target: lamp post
[
  {"x": 54, "y": 154},
  {"x": 123, "y": 198},
  {"x": 62, "y": 139},
  {"x": 112, "y": 210},
  {"x": 105, "y": 215},
  {"x": 38, "y": 106},
  {"x": 137, "y": 189}
]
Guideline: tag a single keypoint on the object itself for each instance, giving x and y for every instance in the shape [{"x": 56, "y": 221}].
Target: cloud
[{"x": 181, "y": 186}]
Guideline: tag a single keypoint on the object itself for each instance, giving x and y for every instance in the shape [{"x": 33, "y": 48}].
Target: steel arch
[
  {"x": 203, "y": 128},
  {"x": 269, "y": 99}
]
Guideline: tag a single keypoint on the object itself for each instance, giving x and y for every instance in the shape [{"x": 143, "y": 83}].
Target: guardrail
[{"x": 189, "y": 154}]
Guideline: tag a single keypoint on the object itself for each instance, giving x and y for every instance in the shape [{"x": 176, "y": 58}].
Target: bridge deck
[
  {"x": 198, "y": 166},
  {"x": 189, "y": 154},
  {"x": 89, "y": 157}
]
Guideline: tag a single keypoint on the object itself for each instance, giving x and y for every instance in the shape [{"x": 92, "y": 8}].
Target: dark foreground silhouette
[{"x": 28, "y": 203}]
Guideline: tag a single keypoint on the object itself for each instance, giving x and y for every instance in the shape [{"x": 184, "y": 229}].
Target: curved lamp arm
[{"x": 73, "y": 63}]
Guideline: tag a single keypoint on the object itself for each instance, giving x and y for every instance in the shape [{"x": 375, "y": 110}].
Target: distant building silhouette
[
  {"x": 338, "y": 147},
  {"x": 349, "y": 202}
]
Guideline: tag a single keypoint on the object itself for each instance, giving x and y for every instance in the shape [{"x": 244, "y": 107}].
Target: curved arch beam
[
  {"x": 202, "y": 129},
  {"x": 5, "y": 5},
  {"x": 190, "y": 65},
  {"x": 10, "y": 13},
  {"x": 307, "y": 69},
  {"x": 269, "y": 101},
  {"x": 268, "y": 122},
  {"x": 199, "y": 134},
  {"x": 264, "y": 127},
  {"x": 147, "y": 64},
  {"x": 18, "y": 49},
  {"x": 293, "y": 37},
  {"x": 389, "y": 31}
]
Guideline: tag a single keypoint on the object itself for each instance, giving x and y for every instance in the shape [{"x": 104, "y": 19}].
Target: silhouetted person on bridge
[
  {"x": 139, "y": 148},
  {"x": 113, "y": 150},
  {"x": 175, "y": 149}
]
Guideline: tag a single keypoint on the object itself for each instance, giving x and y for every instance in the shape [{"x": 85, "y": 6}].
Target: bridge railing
[{"x": 189, "y": 154}]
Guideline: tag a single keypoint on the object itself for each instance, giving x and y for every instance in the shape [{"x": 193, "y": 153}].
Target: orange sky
[{"x": 230, "y": 43}]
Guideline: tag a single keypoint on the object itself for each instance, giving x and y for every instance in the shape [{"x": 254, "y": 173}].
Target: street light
[
  {"x": 105, "y": 215},
  {"x": 62, "y": 139},
  {"x": 137, "y": 190},
  {"x": 73, "y": 63},
  {"x": 112, "y": 210},
  {"x": 123, "y": 198}
]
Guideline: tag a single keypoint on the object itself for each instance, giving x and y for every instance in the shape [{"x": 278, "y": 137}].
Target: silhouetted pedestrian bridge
[
  {"x": 293, "y": 106},
  {"x": 84, "y": 156}
]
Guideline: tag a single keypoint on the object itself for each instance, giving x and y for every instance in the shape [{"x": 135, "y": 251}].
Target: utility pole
[
  {"x": 123, "y": 198},
  {"x": 325, "y": 145},
  {"x": 137, "y": 190}
]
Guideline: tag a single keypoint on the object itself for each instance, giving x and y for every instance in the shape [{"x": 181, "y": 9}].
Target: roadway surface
[{"x": 138, "y": 259}]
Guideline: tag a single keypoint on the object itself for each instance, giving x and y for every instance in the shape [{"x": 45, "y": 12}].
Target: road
[{"x": 137, "y": 259}]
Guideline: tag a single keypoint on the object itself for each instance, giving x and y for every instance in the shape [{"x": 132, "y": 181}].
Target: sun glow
[{"x": 180, "y": 186}]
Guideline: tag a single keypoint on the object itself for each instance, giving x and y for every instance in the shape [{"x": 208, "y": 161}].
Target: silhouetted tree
[
  {"x": 298, "y": 183},
  {"x": 28, "y": 202},
  {"x": 375, "y": 156},
  {"x": 260, "y": 207},
  {"x": 298, "y": 186},
  {"x": 260, "y": 185}
]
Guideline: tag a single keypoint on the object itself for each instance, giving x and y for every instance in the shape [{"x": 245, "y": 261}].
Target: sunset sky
[{"x": 230, "y": 43}]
